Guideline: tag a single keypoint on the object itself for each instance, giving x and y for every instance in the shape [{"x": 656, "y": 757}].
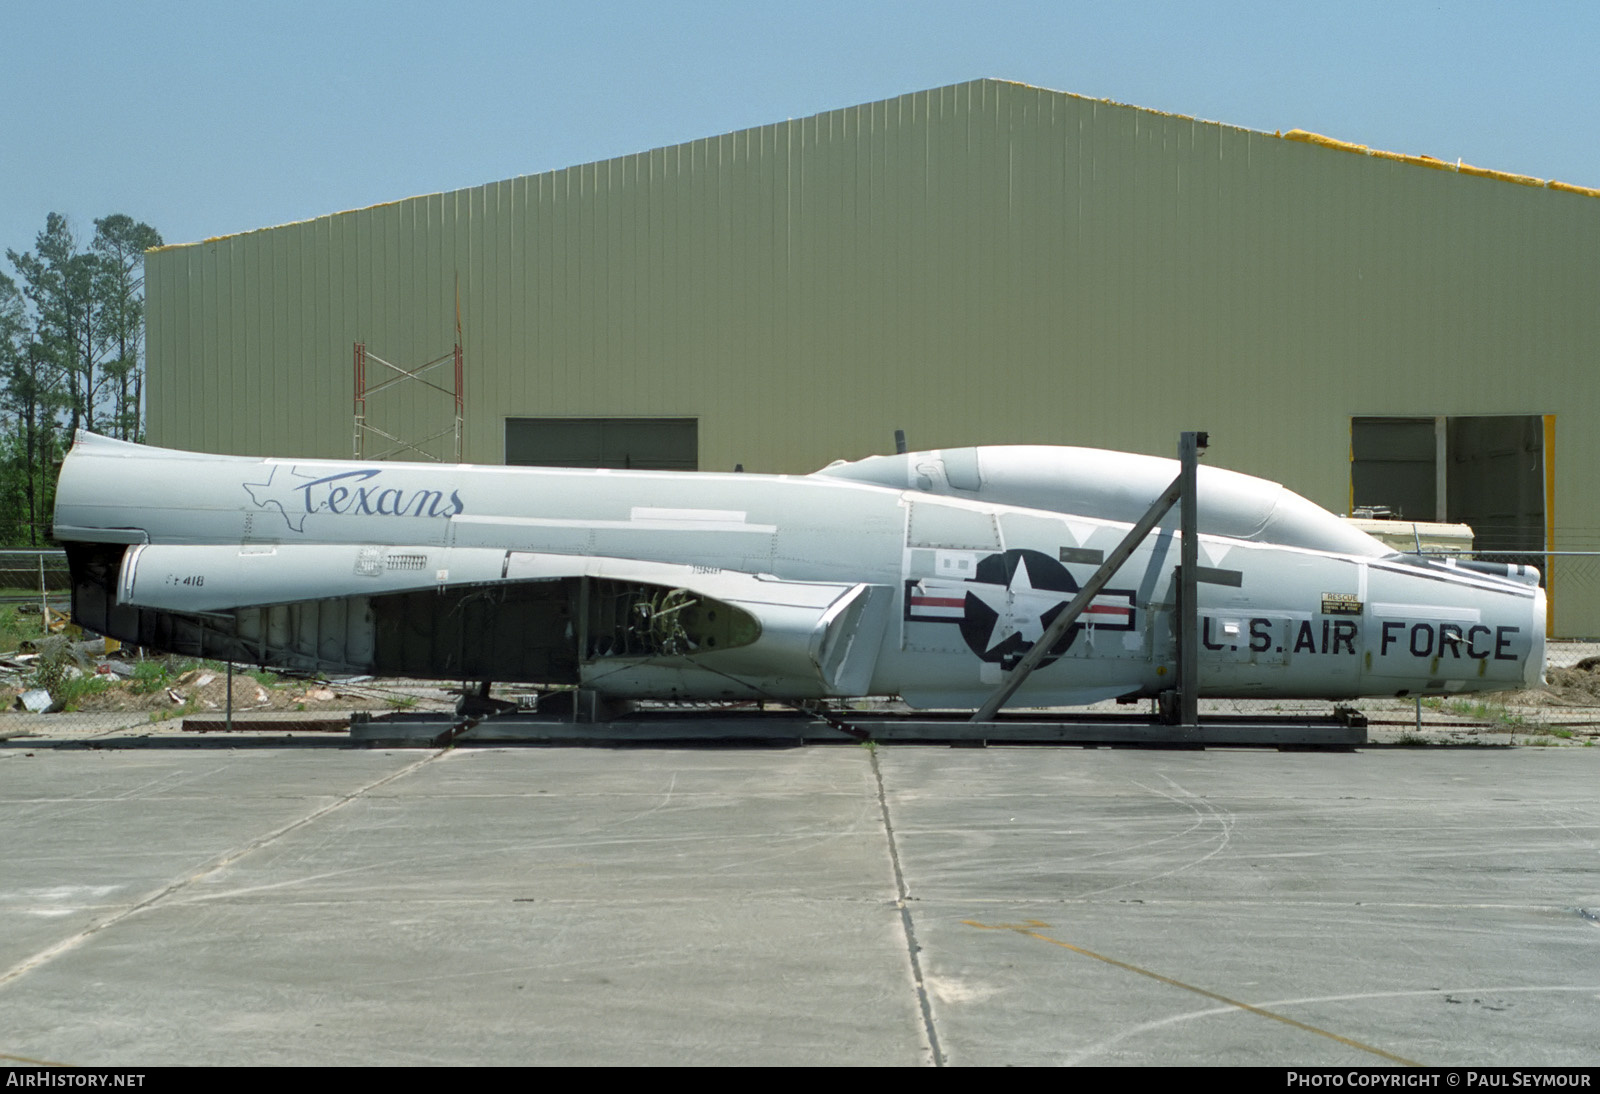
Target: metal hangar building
[{"x": 984, "y": 263}]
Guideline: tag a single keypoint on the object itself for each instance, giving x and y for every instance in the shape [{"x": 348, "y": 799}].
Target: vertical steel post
[
  {"x": 583, "y": 643},
  {"x": 461, "y": 409},
  {"x": 360, "y": 394},
  {"x": 1075, "y": 607},
  {"x": 1188, "y": 573}
]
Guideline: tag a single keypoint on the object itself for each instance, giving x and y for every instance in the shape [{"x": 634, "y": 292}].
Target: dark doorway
[
  {"x": 640, "y": 444},
  {"x": 1486, "y": 471}
]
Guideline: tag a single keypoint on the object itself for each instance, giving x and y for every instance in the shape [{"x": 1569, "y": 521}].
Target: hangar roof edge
[
  {"x": 1301, "y": 136},
  {"x": 1306, "y": 137}
]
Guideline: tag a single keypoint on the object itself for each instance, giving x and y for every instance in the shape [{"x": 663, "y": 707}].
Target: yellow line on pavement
[{"x": 1030, "y": 929}]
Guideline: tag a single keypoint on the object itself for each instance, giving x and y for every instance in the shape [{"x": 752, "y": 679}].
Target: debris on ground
[
  {"x": 58, "y": 673},
  {"x": 1578, "y": 686}
]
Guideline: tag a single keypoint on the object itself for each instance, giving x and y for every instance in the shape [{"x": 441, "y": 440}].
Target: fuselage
[{"x": 897, "y": 579}]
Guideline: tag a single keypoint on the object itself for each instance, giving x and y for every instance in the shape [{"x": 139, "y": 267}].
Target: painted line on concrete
[
  {"x": 29, "y": 1061},
  {"x": 1030, "y": 929},
  {"x": 1091, "y": 1051}
]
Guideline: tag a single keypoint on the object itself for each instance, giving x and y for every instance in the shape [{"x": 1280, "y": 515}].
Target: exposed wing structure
[{"x": 647, "y": 628}]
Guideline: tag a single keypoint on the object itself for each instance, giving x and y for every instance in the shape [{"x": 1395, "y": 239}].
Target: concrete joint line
[
  {"x": 912, "y": 949},
  {"x": 227, "y": 859}
]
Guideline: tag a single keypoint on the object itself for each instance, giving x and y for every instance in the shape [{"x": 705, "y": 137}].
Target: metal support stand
[
  {"x": 1189, "y": 445},
  {"x": 593, "y": 721},
  {"x": 611, "y": 727},
  {"x": 1183, "y": 487},
  {"x": 583, "y": 650}
]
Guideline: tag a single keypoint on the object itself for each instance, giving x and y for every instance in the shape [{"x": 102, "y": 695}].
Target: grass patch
[
  {"x": 1486, "y": 712},
  {"x": 17, "y": 627},
  {"x": 182, "y": 711},
  {"x": 73, "y": 689},
  {"x": 158, "y": 673},
  {"x": 149, "y": 677}
]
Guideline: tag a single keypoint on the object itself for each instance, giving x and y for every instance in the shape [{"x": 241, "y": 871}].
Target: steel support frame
[
  {"x": 1182, "y": 490},
  {"x": 363, "y": 392},
  {"x": 1189, "y": 445},
  {"x": 734, "y": 727}
]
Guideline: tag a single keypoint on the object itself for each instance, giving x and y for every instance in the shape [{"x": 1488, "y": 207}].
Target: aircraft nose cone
[{"x": 1533, "y": 671}]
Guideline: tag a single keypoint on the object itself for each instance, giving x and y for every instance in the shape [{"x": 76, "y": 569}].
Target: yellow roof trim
[
  {"x": 1306, "y": 137},
  {"x": 292, "y": 223}
]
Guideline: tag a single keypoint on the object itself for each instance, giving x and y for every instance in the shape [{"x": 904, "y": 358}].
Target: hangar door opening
[
  {"x": 1488, "y": 472},
  {"x": 639, "y": 444}
]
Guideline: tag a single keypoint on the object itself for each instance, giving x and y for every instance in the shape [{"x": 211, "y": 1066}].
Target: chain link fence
[
  {"x": 166, "y": 698},
  {"x": 1573, "y": 579},
  {"x": 94, "y": 690},
  {"x": 30, "y": 580}
]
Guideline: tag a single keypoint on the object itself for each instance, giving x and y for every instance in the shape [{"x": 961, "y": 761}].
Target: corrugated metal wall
[{"x": 982, "y": 263}]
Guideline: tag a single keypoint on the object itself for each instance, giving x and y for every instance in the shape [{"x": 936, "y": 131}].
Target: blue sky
[{"x": 205, "y": 119}]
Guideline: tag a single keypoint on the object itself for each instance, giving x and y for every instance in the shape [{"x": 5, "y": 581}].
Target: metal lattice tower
[{"x": 365, "y": 429}]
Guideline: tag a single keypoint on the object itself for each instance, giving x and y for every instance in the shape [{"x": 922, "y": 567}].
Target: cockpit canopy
[{"x": 1117, "y": 486}]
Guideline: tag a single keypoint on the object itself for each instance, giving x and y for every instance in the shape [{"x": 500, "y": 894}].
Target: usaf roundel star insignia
[{"x": 1011, "y": 600}]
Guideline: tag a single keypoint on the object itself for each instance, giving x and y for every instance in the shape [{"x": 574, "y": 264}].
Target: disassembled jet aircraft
[{"x": 926, "y": 575}]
